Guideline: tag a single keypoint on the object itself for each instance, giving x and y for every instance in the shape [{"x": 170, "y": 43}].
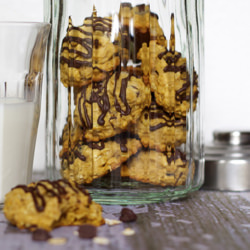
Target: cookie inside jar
[{"x": 130, "y": 93}]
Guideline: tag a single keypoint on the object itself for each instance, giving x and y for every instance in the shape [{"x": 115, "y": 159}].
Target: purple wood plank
[{"x": 205, "y": 220}]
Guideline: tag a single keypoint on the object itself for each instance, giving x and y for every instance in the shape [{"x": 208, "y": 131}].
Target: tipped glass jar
[{"x": 124, "y": 98}]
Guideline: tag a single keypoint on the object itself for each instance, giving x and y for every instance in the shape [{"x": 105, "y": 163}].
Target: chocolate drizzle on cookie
[
  {"x": 38, "y": 199},
  {"x": 122, "y": 140},
  {"x": 98, "y": 95},
  {"x": 119, "y": 139},
  {"x": 86, "y": 43},
  {"x": 96, "y": 145},
  {"x": 171, "y": 58},
  {"x": 101, "y": 24},
  {"x": 79, "y": 155},
  {"x": 175, "y": 155},
  {"x": 101, "y": 98},
  {"x": 69, "y": 44},
  {"x": 122, "y": 95},
  {"x": 168, "y": 119},
  {"x": 52, "y": 188}
]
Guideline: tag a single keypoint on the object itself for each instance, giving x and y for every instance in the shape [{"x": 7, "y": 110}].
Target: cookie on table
[
  {"x": 49, "y": 204},
  {"x": 87, "y": 52},
  {"x": 160, "y": 169},
  {"x": 94, "y": 160},
  {"x": 107, "y": 108},
  {"x": 160, "y": 130}
]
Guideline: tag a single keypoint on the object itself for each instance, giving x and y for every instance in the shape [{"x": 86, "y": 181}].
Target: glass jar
[{"x": 124, "y": 98}]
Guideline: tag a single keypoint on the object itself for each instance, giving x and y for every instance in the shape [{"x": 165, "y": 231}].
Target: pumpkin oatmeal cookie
[
  {"x": 49, "y": 204},
  {"x": 87, "y": 52},
  {"x": 107, "y": 108},
  {"x": 94, "y": 160},
  {"x": 161, "y": 169},
  {"x": 160, "y": 130}
]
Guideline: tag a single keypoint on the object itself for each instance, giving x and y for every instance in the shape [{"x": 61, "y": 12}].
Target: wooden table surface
[{"x": 204, "y": 220}]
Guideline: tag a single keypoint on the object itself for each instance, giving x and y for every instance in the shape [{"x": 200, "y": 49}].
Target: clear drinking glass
[
  {"x": 22, "y": 52},
  {"x": 124, "y": 102}
]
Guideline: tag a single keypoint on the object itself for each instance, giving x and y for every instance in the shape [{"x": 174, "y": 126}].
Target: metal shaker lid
[
  {"x": 227, "y": 161},
  {"x": 232, "y": 137}
]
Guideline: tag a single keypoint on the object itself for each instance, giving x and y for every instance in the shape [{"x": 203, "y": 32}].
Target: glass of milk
[{"x": 22, "y": 53}]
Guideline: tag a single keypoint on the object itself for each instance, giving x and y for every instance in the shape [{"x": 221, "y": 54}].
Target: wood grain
[{"x": 205, "y": 220}]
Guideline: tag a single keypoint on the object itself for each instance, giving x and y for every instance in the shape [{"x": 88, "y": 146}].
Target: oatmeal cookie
[
  {"x": 49, "y": 204},
  {"x": 168, "y": 75},
  {"x": 146, "y": 26},
  {"x": 159, "y": 130},
  {"x": 70, "y": 137},
  {"x": 161, "y": 169},
  {"x": 138, "y": 26},
  {"x": 94, "y": 160},
  {"x": 106, "y": 108},
  {"x": 171, "y": 84},
  {"x": 125, "y": 15},
  {"x": 87, "y": 52},
  {"x": 141, "y": 27},
  {"x": 156, "y": 32}
]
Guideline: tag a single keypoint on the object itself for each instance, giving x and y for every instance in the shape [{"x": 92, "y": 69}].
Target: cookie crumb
[
  {"x": 127, "y": 215},
  {"x": 112, "y": 222},
  {"x": 40, "y": 235},
  {"x": 101, "y": 240},
  {"x": 128, "y": 231},
  {"x": 57, "y": 241},
  {"x": 87, "y": 231}
]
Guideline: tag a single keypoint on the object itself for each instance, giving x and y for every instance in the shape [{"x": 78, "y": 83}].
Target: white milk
[{"x": 17, "y": 141}]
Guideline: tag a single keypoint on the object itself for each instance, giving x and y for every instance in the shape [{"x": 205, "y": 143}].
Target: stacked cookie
[{"x": 131, "y": 96}]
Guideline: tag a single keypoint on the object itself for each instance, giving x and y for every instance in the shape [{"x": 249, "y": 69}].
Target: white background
[{"x": 227, "y": 64}]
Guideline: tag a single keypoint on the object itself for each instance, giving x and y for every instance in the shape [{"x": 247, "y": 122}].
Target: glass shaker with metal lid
[{"x": 124, "y": 97}]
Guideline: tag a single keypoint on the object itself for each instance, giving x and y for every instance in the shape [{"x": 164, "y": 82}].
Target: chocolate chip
[
  {"x": 96, "y": 42},
  {"x": 127, "y": 215},
  {"x": 40, "y": 235},
  {"x": 87, "y": 231}
]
